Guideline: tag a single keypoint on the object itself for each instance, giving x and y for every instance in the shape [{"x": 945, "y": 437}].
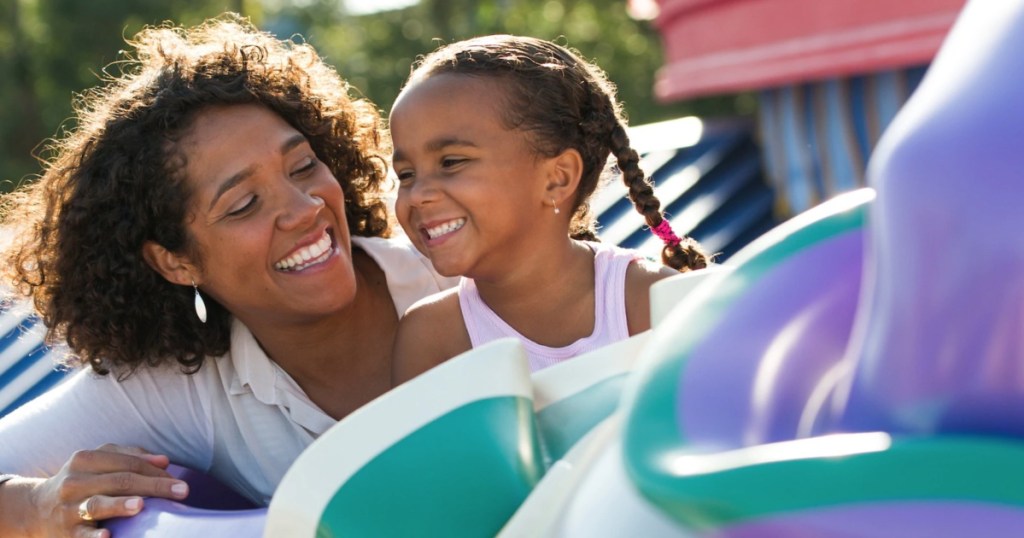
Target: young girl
[{"x": 499, "y": 142}]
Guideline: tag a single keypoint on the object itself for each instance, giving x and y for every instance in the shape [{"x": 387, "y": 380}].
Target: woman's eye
[
  {"x": 307, "y": 166},
  {"x": 242, "y": 207}
]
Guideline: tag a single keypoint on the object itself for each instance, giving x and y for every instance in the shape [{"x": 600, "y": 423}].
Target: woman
[{"x": 210, "y": 241}]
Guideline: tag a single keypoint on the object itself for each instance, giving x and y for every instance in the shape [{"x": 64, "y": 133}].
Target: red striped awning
[{"x": 725, "y": 46}]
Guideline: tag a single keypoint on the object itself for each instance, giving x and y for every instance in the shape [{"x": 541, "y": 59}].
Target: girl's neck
[
  {"x": 541, "y": 267},
  {"x": 559, "y": 282}
]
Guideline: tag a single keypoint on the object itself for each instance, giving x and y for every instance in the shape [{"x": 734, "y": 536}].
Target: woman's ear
[
  {"x": 563, "y": 177},
  {"x": 175, "y": 268}
]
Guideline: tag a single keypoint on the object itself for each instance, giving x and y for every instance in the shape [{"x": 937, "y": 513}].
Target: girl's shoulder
[
  {"x": 640, "y": 275},
  {"x": 442, "y": 302},
  {"x": 431, "y": 332},
  {"x": 437, "y": 314}
]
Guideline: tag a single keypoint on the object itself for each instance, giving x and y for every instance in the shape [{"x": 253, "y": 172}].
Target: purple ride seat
[
  {"x": 212, "y": 510},
  {"x": 932, "y": 375}
]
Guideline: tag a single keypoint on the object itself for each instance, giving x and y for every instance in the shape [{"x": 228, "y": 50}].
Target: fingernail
[
  {"x": 180, "y": 489},
  {"x": 133, "y": 504}
]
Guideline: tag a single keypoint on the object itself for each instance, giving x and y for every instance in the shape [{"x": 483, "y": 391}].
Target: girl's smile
[
  {"x": 438, "y": 232},
  {"x": 470, "y": 188}
]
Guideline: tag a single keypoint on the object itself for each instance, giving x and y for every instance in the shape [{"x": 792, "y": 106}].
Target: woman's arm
[
  {"x": 431, "y": 332},
  {"x": 93, "y": 485},
  {"x": 52, "y": 442}
]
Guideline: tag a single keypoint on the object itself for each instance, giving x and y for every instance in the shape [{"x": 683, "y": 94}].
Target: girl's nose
[{"x": 422, "y": 191}]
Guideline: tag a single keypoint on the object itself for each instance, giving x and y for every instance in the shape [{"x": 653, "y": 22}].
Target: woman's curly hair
[
  {"x": 117, "y": 180},
  {"x": 563, "y": 102}
]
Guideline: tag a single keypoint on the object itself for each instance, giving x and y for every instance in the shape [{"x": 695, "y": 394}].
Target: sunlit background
[
  {"x": 50, "y": 49},
  {"x": 365, "y": 7}
]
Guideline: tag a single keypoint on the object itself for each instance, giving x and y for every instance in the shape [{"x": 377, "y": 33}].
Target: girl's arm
[
  {"x": 640, "y": 275},
  {"x": 431, "y": 332}
]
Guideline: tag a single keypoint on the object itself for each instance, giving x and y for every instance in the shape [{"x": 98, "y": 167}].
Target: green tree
[{"x": 51, "y": 49}]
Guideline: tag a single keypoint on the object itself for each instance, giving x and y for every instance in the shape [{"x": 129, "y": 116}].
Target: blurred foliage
[
  {"x": 374, "y": 53},
  {"x": 50, "y": 49}
]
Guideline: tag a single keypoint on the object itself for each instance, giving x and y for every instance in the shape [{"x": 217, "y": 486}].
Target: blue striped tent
[
  {"x": 817, "y": 136},
  {"x": 709, "y": 177},
  {"x": 27, "y": 365}
]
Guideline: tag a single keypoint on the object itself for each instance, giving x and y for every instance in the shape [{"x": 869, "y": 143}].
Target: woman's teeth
[
  {"x": 307, "y": 256},
  {"x": 448, "y": 227}
]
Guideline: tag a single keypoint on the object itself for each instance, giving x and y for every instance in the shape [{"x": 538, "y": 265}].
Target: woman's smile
[
  {"x": 292, "y": 215},
  {"x": 308, "y": 256}
]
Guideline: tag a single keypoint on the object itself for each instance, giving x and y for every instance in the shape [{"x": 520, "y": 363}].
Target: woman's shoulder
[{"x": 410, "y": 275}]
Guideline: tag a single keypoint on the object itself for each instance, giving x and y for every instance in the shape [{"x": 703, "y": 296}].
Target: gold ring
[{"x": 83, "y": 511}]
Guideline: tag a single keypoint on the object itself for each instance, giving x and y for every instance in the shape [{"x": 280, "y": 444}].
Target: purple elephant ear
[{"x": 938, "y": 345}]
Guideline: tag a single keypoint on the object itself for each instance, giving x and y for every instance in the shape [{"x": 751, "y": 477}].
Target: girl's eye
[
  {"x": 243, "y": 208},
  {"x": 449, "y": 162},
  {"x": 308, "y": 166},
  {"x": 405, "y": 175}
]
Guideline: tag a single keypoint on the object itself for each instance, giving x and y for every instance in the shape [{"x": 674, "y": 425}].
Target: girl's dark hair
[
  {"x": 562, "y": 102},
  {"x": 118, "y": 180}
]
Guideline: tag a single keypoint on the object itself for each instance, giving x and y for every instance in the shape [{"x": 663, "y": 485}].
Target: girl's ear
[
  {"x": 175, "y": 268},
  {"x": 563, "y": 178}
]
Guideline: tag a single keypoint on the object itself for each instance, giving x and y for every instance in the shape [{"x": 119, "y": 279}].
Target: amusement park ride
[{"x": 856, "y": 371}]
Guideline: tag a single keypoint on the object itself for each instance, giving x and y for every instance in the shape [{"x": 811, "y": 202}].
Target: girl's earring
[
  {"x": 554, "y": 205},
  {"x": 200, "y": 305}
]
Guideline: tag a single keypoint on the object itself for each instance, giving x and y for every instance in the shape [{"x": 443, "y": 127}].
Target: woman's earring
[
  {"x": 200, "y": 305},
  {"x": 554, "y": 205}
]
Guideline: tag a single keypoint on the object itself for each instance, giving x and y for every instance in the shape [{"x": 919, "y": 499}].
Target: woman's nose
[{"x": 301, "y": 209}]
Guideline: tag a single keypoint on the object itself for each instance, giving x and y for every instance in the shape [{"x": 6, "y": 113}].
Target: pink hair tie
[{"x": 665, "y": 233}]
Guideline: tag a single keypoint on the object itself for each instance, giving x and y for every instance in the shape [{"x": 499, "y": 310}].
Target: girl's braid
[{"x": 683, "y": 254}]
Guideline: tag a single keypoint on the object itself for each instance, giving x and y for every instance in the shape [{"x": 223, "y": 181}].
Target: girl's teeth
[{"x": 448, "y": 227}]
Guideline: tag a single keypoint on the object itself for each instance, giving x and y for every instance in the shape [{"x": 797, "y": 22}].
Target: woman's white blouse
[{"x": 241, "y": 417}]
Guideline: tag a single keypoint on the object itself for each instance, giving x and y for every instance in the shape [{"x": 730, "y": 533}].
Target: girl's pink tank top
[{"x": 610, "y": 264}]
